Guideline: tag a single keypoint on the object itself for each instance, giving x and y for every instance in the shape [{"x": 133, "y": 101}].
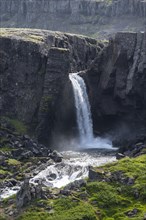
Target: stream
[{"x": 74, "y": 166}]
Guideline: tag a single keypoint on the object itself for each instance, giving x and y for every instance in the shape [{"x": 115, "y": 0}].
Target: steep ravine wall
[
  {"x": 34, "y": 68},
  {"x": 28, "y": 9},
  {"x": 35, "y": 86},
  {"x": 117, "y": 87},
  {"x": 72, "y": 15}
]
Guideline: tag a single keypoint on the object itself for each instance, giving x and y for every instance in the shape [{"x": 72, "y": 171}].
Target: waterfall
[{"x": 84, "y": 119}]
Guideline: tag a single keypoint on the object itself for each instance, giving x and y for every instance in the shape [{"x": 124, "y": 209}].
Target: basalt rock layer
[
  {"x": 34, "y": 68},
  {"x": 77, "y": 16},
  {"x": 28, "y": 10},
  {"x": 117, "y": 87},
  {"x": 35, "y": 86}
]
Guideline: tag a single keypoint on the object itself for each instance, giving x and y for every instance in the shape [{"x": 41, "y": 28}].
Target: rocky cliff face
[
  {"x": 77, "y": 16},
  {"x": 117, "y": 86},
  {"x": 35, "y": 86},
  {"x": 34, "y": 68},
  {"x": 29, "y": 9}
]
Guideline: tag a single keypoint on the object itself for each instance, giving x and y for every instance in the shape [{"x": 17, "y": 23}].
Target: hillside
[{"x": 96, "y": 18}]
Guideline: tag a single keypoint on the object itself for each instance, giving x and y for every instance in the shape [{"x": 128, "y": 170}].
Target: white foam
[
  {"x": 69, "y": 170},
  {"x": 84, "y": 118},
  {"x": 74, "y": 166}
]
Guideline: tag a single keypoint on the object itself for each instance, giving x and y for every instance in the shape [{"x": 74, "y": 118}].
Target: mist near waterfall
[{"x": 85, "y": 138}]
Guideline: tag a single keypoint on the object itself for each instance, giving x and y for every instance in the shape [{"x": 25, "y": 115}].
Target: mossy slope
[{"x": 106, "y": 200}]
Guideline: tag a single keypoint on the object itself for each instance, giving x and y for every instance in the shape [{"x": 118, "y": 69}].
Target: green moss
[
  {"x": 5, "y": 149},
  {"x": 3, "y": 172},
  {"x": 140, "y": 188},
  {"x": 104, "y": 195},
  {"x": 6, "y": 200},
  {"x": 62, "y": 209},
  {"x": 34, "y": 38},
  {"x": 13, "y": 162},
  {"x": 2, "y": 217},
  {"x": 116, "y": 199},
  {"x": 18, "y": 125},
  {"x": 131, "y": 167},
  {"x": 26, "y": 36}
]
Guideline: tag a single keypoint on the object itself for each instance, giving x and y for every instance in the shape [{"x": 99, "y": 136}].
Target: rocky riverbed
[
  {"x": 22, "y": 157},
  {"x": 38, "y": 173}
]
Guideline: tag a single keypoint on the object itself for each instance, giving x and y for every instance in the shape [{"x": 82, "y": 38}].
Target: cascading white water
[
  {"x": 84, "y": 119},
  {"x": 74, "y": 166}
]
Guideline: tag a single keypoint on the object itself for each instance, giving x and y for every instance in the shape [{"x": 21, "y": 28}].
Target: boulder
[
  {"x": 56, "y": 156},
  {"x": 120, "y": 156},
  {"x": 77, "y": 184},
  {"x": 132, "y": 213},
  {"x": 27, "y": 193},
  {"x": 96, "y": 175}
]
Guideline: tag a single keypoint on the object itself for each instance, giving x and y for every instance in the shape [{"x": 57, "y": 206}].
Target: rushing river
[{"x": 74, "y": 166}]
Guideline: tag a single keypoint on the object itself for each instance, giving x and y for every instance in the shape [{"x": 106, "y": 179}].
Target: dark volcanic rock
[
  {"x": 117, "y": 88},
  {"x": 132, "y": 150},
  {"x": 120, "y": 156},
  {"x": 97, "y": 175},
  {"x": 19, "y": 146},
  {"x": 27, "y": 193},
  {"x": 35, "y": 86},
  {"x": 132, "y": 213},
  {"x": 56, "y": 156},
  {"x": 34, "y": 70},
  {"x": 75, "y": 185}
]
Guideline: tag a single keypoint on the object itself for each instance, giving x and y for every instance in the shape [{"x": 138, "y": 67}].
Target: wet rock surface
[{"x": 56, "y": 156}]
